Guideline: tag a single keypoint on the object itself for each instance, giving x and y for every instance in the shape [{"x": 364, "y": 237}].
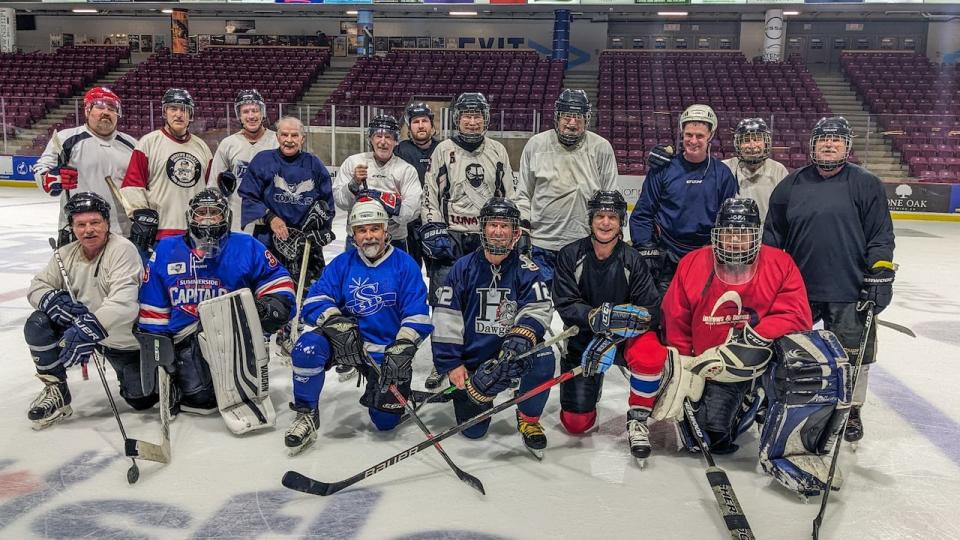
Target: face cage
[
  {"x": 829, "y": 165},
  {"x": 567, "y": 139},
  {"x": 739, "y": 139},
  {"x": 470, "y": 137},
  {"x": 238, "y": 106},
  {"x": 208, "y": 237},
  {"x": 107, "y": 103},
  {"x": 488, "y": 245},
  {"x": 746, "y": 238}
]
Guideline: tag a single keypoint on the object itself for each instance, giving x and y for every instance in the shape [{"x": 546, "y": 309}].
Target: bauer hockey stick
[
  {"x": 133, "y": 473},
  {"x": 730, "y": 509},
  {"x": 296, "y": 481},
  {"x": 161, "y": 348},
  {"x": 464, "y": 476},
  {"x": 867, "y": 324}
]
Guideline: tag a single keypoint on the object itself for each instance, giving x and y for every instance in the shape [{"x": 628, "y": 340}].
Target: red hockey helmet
[{"x": 103, "y": 96}]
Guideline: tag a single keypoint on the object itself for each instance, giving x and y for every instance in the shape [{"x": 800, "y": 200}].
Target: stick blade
[
  {"x": 471, "y": 481},
  {"x": 730, "y": 508},
  {"x": 136, "y": 448},
  {"x": 298, "y": 482}
]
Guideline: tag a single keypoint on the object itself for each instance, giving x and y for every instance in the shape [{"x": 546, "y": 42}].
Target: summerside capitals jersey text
[
  {"x": 385, "y": 296},
  {"x": 480, "y": 303},
  {"x": 164, "y": 174},
  {"x": 699, "y": 309},
  {"x": 234, "y": 154},
  {"x": 459, "y": 183},
  {"x": 176, "y": 280},
  {"x": 285, "y": 186}
]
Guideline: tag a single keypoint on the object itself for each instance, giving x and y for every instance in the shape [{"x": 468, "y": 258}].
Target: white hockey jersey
[
  {"x": 758, "y": 185},
  {"x": 458, "y": 183},
  {"x": 95, "y": 159},
  {"x": 555, "y": 182},
  {"x": 394, "y": 176},
  {"x": 164, "y": 174},
  {"x": 234, "y": 154}
]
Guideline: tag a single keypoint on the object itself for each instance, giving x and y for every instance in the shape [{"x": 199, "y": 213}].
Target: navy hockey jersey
[
  {"x": 478, "y": 305},
  {"x": 287, "y": 187}
]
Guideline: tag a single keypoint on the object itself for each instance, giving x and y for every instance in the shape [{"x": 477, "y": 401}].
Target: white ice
[{"x": 69, "y": 481}]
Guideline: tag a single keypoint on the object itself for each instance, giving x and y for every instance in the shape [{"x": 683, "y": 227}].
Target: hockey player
[
  {"x": 93, "y": 313},
  {"x": 370, "y": 304},
  {"x": 559, "y": 171},
  {"x": 416, "y": 151},
  {"x": 382, "y": 176},
  {"x": 832, "y": 217},
  {"x": 599, "y": 276},
  {"x": 726, "y": 305},
  {"x": 494, "y": 306},
  {"x": 679, "y": 202},
  {"x": 87, "y": 157},
  {"x": 756, "y": 173},
  {"x": 235, "y": 152},
  {"x": 168, "y": 167},
  {"x": 201, "y": 268},
  {"x": 465, "y": 171}
]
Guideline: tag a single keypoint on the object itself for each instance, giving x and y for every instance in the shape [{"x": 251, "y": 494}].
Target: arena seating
[
  {"x": 213, "y": 78},
  {"x": 917, "y": 104},
  {"x": 516, "y": 83},
  {"x": 32, "y": 84},
  {"x": 642, "y": 93}
]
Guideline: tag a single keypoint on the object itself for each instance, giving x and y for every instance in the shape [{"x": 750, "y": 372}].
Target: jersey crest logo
[
  {"x": 183, "y": 169},
  {"x": 496, "y": 312},
  {"x": 474, "y": 174},
  {"x": 176, "y": 268},
  {"x": 453, "y": 157},
  {"x": 293, "y": 193},
  {"x": 241, "y": 168},
  {"x": 367, "y": 299},
  {"x": 527, "y": 263},
  {"x": 271, "y": 260}
]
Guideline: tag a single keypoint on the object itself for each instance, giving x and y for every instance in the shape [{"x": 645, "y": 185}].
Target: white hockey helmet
[
  {"x": 367, "y": 211},
  {"x": 699, "y": 113}
]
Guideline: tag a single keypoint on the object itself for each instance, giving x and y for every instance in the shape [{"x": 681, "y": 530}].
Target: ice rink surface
[{"x": 69, "y": 481}]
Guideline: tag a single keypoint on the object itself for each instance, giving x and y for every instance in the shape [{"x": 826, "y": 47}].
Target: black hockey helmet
[
  {"x": 416, "y": 110},
  {"x": 86, "y": 201},
  {"x": 208, "y": 220},
  {"x": 612, "y": 201},
  {"x": 738, "y": 212},
  {"x": 736, "y": 237},
  {"x": 572, "y": 102},
  {"x": 749, "y": 130},
  {"x": 831, "y": 128},
  {"x": 177, "y": 96},
  {"x": 500, "y": 209},
  {"x": 471, "y": 102},
  {"x": 386, "y": 123},
  {"x": 249, "y": 96}
]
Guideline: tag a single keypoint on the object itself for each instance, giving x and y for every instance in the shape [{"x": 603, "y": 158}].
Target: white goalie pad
[{"x": 232, "y": 344}]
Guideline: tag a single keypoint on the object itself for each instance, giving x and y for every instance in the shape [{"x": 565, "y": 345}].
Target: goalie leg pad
[
  {"x": 232, "y": 343},
  {"x": 809, "y": 395},
  {"x": 720, "y": 411},
  {"x": 678, "y": 383}
]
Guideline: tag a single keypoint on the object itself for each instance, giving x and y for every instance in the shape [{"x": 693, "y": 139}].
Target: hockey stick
[
  {"x": 867, "y": 324},
  {"x": 301, "y": 283},
  {"x": 464, "y": 476},
  {"x": 296, "y": 481},
  {"x": 898, "y": 327},
  {"x": 730, "y": 509},
  {"x": 133, "y": 473},
  {"x": 162, "y": 358}
]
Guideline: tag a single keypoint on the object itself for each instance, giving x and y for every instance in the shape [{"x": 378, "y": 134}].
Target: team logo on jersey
[
  {"x": 474, "y": 174},
  {"x": 176, "y": 268},
  {"x": 527, "y": 262},
  {"x": 367, "y": 298},
  {"x": 183, "y": 169},
  {"x": 188, "y": 292},
  {"x": 293, "y": 193},
  {"x": 241, "y": 167},
  {"x": 496, "y": 312},
  {"x": 723, "y": 314},
  {"x": 271, "y": 260}
]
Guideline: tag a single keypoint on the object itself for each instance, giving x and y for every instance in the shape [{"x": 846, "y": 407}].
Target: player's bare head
[
  {"x": 368, "y": 224},
  {"x": 290, "y": 135},
  {"x": 500, "y": 226},
  {"x": 208, "y": 221},
  {"x": 102, "y": 109},
  {"x": 736, "y": 239},
  {"x": 177, "y": 108},
  {"x": 571, "y": 116},
  {"x": 251, "y": 110},
  {"x": 471, "y": 114},
  {"x": 384, "y": 133},
  {"x": 607, "y": 211},
  {"x": 419, "y": 118},
  {"x": 697, "y": 124},
  {"x": 89, "y": 216},
  {"x": 752, "y": 141}
]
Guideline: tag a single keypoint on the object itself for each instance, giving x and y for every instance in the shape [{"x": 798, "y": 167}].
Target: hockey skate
[
  {"x": 345, "y": 373},
  {"x": 638, "y": 435},
  {"x": 303, "y": 431},
  {"x": 52, "y": 404},
  {"x": 285, "y": 345},
  {"x": 854, "y": 431},
  {"x": 533, "y": 438},
  {"x": 433, "y": 380}
]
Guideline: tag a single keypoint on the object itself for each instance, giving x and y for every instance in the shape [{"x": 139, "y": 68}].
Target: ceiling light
[
  {"x": 672, "y": 13},
  {"x": 84, "y": 10},
  {"x": 787, "y": 13},
  {"x": 462, "y": 13},
  {"x": 167, "y": 11},
  {"x": 353, "y": 12}
]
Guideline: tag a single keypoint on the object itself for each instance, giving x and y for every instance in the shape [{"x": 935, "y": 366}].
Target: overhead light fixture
[
  {"x": 84, "y": 10},
  {"x": 787, "y": 13},
  {"x": 672, "y": 13},
  {"x": 353, "y": 12},
  {"x": 167, "y": 11},
  {"x": 463, "y": 13}
]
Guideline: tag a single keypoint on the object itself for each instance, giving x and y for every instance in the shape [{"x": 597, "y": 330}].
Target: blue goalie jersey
[
  {"x": 177, "y": 279},
  {"x": 480, "y": 303}
]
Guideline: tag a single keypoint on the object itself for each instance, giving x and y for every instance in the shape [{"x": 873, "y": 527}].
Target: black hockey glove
[
  {"x": 273, "y": 312},
  {"x": 345, "y": 340},
  {"x": 652, "y": 256},
  {"x": 143, "y": 231},
  {"x": 61, "y": 309},
  {"x": 397, "y": 367},
  {"x": 227, "y": 182},
  {"x": 65, "y": 236},
  {"x": 524, "y": 244},
  {"x": 316, "y": 225},
  {"x": 660, "y": 156},
  {"x": 877, "y": 287}
]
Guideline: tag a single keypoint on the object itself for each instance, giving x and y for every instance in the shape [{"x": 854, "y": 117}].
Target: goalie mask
[
  {"x": 471, "y": 103},
  {"x": 830, "y": 143},
  {"x": 736, "y": 240},
  {"x": 572, "y": 116},
  {"x": 208, "y": 222},
  {"x": 752, "y": 141},
  {"x": 503, "y": 218}
]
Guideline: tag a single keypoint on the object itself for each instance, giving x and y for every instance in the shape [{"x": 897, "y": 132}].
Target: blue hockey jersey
[
  {"x": 287, "y": 187},
  {"x": 388, "y": 297},
  {"x": 177, "y": 279},
  {"x": 480, "y": 303}
]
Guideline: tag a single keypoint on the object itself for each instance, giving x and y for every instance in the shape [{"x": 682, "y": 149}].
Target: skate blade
[
  {"x": 296, "y": 450},
  {"x": 346, "y": 376},
  {"x": 535, "y": 453},
  {"x": 641, "y": 462},
  {"x": 40, "y": 425}
]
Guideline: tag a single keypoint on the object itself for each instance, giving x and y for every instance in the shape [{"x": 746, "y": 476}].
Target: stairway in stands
[
  {"x": 317, "y": 94},
  {"x": 875, "y": 152},
  {"x": 582, "y": 80}
]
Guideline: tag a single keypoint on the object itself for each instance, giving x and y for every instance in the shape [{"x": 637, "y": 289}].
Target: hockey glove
[
  {"x": 272, "y": 311},
  {"x": 624, "y": 320},
  {"x": 345, "y": 340},
  {"x": 52, "y": 185},
  {"x": 437, "y": 243},
  {"x": 227, "y": 182},
  {"x": 744, "y": 357},
  {"x": 143, "y": 230},
  {"x": 877, "y": 286},
  {"x": 652, "y": 256},
  {"x": 660, "y": 156},
  {"x": 80, "y": 340},
  {"x": 316, "y": 225},
  {"x": 61, "y": 309},
  {"x": 390, "y": 201},
  {"x": 599, "y": 354},
  {"x": 397, "y": 367},
  {"x": 524, "y": 244},
  {"x": 495, "y": 375},
  {"x": 68, "y": 178},
  {"x": 65, "y": 236}
]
